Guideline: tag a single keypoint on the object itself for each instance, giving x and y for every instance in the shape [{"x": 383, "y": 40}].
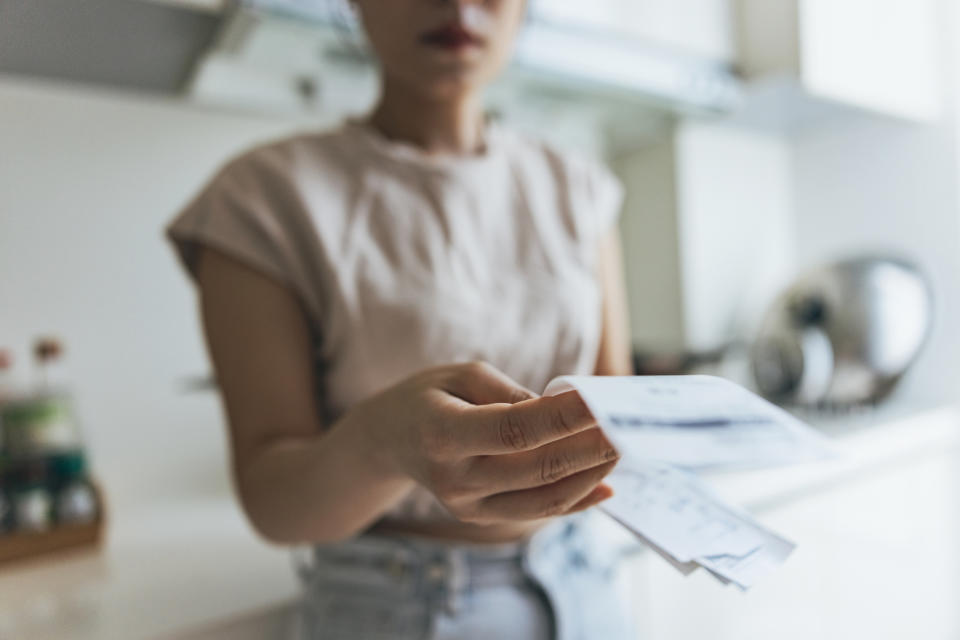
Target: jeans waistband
[
  {"x": 410, "y": 576},
  {"x": 420, "y": 561}
]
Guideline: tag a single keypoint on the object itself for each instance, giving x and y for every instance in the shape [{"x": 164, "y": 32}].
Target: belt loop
[
  {"x": 448, "y": 574},
  {"x": 458, "y": 579},
  {"x": 398, "y": 566},
  {"x": 304, "y": 562}
]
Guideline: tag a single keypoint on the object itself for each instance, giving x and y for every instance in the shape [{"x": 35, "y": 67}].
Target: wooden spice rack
[{"x": 16, "y": 547}]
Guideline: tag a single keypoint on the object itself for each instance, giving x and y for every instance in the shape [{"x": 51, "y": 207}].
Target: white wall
[{"x": 87, "y": 182}]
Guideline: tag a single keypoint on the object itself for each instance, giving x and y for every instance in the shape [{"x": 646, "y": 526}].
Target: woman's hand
[{"x": 488, "y": 449}]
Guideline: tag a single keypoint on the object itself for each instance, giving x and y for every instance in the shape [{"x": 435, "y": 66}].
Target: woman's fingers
[
  {"x": 502, "y": 429},
  {"x": 546, "y": 465},
  {"x": 480, "y": 383},
  {"x": 595, "y": 497},
  {"x": 542, "y": 502},
  {"x": 499, "y": 455}
]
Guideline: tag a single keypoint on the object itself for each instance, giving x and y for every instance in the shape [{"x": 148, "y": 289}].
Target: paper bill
[
  {"x": 667, "y": 506},
  {"x": 664, "y": 427},
  {"x": 695, "y": 422},
  {"x": 682, "y": 520},
  {"x": 745, "y": 571}
]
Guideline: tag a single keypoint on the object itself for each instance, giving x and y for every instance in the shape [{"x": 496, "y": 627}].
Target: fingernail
[
  {"x": 607, "y": 492},
  {"x": 601, "y": 493}
]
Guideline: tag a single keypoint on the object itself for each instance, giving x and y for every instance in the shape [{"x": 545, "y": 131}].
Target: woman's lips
[{"x": 452, "y": 37}]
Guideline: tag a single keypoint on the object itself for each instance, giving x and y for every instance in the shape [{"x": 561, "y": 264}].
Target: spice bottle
[
  {"x": 76, "y": 501},
  {"x": 30, "y": 497},
  {"x": 47, "y": 352},
  {"x": 6, "y": 507}
]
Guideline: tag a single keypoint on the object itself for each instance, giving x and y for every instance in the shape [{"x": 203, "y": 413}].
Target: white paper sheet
[
  {"x": 663, "y": 426},
  {"x": 744, "y": 571},
  {"x": 688, "y": 526},
  {"x": 667, "y": 506},
  {"x": 694, "y": 422}
]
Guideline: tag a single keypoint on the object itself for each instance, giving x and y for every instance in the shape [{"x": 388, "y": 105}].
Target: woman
[{"x": 379, "y": 303}]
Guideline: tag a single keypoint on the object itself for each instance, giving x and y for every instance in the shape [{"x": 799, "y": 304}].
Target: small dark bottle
[
  {"x": 6, "y": 507},
  {"x": 6, "y": 511}
]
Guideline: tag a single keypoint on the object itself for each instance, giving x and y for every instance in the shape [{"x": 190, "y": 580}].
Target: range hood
[
  {"x": 131, "y": 44},
  {"x": 303, "y": 55}
]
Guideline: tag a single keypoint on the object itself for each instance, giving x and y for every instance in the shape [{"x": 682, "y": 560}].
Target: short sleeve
[{"x": 234, "y": 214}]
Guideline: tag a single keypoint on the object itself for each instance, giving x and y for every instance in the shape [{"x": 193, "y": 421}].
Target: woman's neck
[{"x": 436, "y": 125}]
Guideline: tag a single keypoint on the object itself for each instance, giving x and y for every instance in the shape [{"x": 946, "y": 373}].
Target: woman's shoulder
[
  {"x": 260, "y": 208},
  {"x": 312, "y": 154}
]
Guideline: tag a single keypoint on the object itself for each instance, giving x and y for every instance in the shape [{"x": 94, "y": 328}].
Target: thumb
[{"x": 480, "y": 383}]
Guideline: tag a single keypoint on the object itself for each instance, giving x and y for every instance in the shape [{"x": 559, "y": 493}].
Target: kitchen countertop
[
  {"x": 165, "y": 571},
  {"x": 867, "y": 442},
  {"x": 183, "y": 568}
]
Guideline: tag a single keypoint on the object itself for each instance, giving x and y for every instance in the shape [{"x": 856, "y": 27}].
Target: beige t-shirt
[{"x": 404, "y": 261}]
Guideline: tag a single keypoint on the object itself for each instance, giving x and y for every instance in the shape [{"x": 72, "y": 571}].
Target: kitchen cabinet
[
  {"x": 696, "y": 278},
  {"x": 698, "y": 27},
  {"x": 573, "y": 69},
  {"x": 710, "y": 223},
  {"x": 879, "y": 55}
]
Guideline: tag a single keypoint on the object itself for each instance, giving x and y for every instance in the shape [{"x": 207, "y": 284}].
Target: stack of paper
[{"x": 665, "y": 426}]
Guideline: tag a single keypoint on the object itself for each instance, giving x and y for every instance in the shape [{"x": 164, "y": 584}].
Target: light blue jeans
[{"x": 559, "y": 585}]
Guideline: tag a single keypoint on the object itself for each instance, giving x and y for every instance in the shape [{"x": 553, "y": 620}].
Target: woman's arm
[
  {"x": 489, "y": 451},
  {"x": 614, "y": 358},
  {"x": 290, "y": 480}
]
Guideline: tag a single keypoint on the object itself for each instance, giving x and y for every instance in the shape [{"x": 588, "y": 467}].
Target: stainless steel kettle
[{"x": 843, "y": 334}]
